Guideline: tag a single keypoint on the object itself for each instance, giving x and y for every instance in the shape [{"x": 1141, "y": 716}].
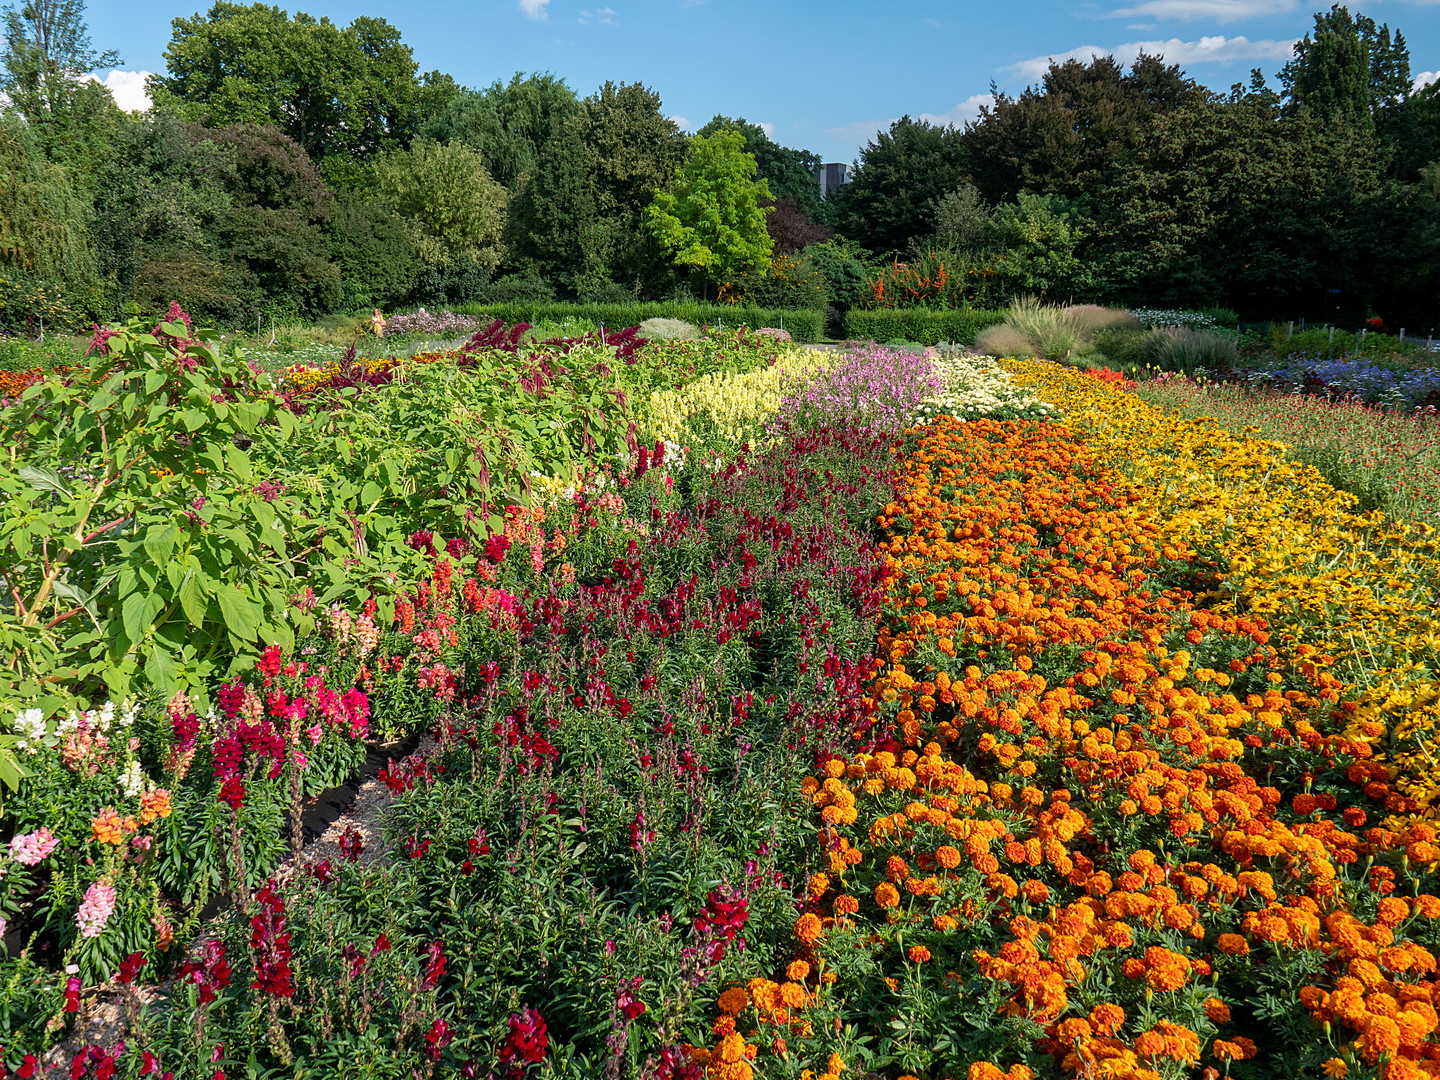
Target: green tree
[
  {"x": 506, "y": 123},
  {"x": 901, "y": 173},
  {"x": 631, "y": 149},
  {"x": 554, "y": 218},
  {"x": 1037, "y": 240},
  {"x": 346, "y": 91},
  {"x": 790, "y": 174},
  {"x": 43, "y": 219},
  {"x": 451, "y": 207},
  {"x": 713, "y": 222},
  {"x": 47, "y": 52},
  {"x": 1234, "y": 202},
  {"x": 1062, "y": 136},
  {"x": 368, "y": 245},
  {"x": 1347, "y": 67}
]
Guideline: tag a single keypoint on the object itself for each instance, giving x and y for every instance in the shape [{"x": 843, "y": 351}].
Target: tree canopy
[{"x": 713, "y": 222}]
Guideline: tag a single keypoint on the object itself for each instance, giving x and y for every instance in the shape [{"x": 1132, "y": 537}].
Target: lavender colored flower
[
  {"x": 439, "y": 324},
  {"x": 1362, "y": 380},
  {"x": 875, "y": 385},
  {"x": 30, "y": 848},
  {"x": 95, "y": 911}
]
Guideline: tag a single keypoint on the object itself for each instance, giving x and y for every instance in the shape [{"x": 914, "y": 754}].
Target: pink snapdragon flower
[
  {"x": 95, "y": 912},
  {"x": 32, "y": 847}
]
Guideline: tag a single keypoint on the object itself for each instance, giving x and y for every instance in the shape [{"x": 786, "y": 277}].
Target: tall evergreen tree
[
  {"x": 901, "y": 174},
  {"x": 1347, "y": 66}
]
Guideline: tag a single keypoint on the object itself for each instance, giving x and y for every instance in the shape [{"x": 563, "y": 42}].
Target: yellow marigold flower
[{"x": 1335, "y": 1068}]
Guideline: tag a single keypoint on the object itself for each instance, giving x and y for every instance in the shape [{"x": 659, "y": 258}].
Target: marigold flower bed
[{"x": 1113, "y": 833}]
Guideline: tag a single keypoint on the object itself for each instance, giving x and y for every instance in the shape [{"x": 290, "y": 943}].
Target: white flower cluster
[
  {"x": 976, "y": 387},
  {"x": 1191, "y": 320},
  {"x": 31, "y": 724},
  {"x": 132, "y": 780}
]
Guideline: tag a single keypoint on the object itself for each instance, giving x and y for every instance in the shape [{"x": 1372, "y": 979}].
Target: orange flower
[
  {"x": 1233, "y": 945},
  {"x": 886, "y": 895},
  {"x": 1217, "y": 1010},
  {"x": 918, "y": 954},
  {"x": 948, "y": 857},
  {"x": 808, "y": 928},
  {"x": 107, "y": 828},
  {"x": 733, "y": 1001},
  {"x": 798, "y": 970}
]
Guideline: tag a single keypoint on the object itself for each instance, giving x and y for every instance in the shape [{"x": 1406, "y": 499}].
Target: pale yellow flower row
[
  {"x": 1289, "y": 547},
  {"x": 731, "y": 408}
]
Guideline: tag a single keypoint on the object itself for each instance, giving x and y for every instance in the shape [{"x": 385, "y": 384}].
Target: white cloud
[
  {"x": 535, "y": 9},
  {"x": 1424, "y": 79},
  {"x": 601, "y": 16},
  {"x": 127, "y": 88},
  {"x": 1221, "y": 11},
  {"x": 1217, "y": 49},
  {"x": 962, "y": 113},
  {"x": 768, "y": 129},
  {"x": 680, "y": 122}
]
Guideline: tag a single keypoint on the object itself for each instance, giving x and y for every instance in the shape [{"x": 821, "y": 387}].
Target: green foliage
[
  {"x": 46, "y": 53},
  {"x": 1349, "y": 67},
  {"x": 347, "y": 91},
  {"x": 1178, "y": 348},
  {"x": 368, "y": 244},
  {"x": 786, "y": 281},
  {"x": 902, "y": 172},
  {"x": 43, "y": 219},
  {"x": 847, "y": 268},
  {"x": 918, "y": 324},
  {"x": 507, "y": 124},
  {"x": 1064, "y": 136},
  {"x": 1038, "y": 240},
  {"x": 451, "y": 207},
  {"x": 713, "y": 222},
  {"x": 803, "y": 325},
  {"x": 789, "y": 174}
]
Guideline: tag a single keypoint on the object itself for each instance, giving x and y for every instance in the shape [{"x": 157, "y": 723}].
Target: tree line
[{"x": 292, "y": 167}]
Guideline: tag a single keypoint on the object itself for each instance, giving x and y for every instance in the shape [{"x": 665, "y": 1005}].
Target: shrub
[
  {"x": 918, "y": 324},
  {"x": 668, "y": 329}
]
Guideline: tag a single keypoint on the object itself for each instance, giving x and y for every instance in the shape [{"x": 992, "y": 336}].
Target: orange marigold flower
[
  {"x": 818, "y": 884},
  {"x": 808, "y": 928},
  {"x": 886, "y": 895},
  {"x": 948, "y": 857},
  {"x": 918, "y": 954},
  {"x": 733, "y": 1001},
  {"x": 798, "y": 971},
  {"x": 848, "y": 905},
  {"x": 1217, "y": 1010},
  {"x": 1336, "y": 1069},
  {"x": 1106, "y": 1019},
  {"x": 792, "y": 995},
  {"x": 895, "y": 868},
  {"x": 983, "y": 1070},
  {"x": 1233, "y": 945},
  {"x": 1428, "y": 906}
]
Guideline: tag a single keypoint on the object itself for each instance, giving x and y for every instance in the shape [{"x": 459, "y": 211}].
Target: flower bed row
[{"x": 1113, "y": 831}]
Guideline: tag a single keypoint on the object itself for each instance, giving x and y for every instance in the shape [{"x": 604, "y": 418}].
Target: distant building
[{"x": 831, "y": 176}]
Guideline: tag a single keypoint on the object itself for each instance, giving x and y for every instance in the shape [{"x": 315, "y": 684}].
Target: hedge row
[
  {"x": 919, "y": 324},
  {"x": 803, "y": 325}
]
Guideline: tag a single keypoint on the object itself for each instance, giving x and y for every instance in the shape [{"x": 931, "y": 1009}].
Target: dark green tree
[
  {"x": 344, "y": 91},
  {"x": 367, "y": 243},
  {"x": 1060, "y": 138},
  {"x": 507, "y": 123},
  {"x": 1347, "y": 66},
  {"x": 901, "y": 173},
  {"x": 554, "y": 222},
  {"x": 631, "y": 150}
]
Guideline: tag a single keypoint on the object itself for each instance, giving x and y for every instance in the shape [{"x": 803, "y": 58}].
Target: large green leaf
[{"x": 241, "y": 616}]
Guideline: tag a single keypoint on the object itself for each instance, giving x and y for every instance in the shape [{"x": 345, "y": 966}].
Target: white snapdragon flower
[{"x": 132, "y": 780}]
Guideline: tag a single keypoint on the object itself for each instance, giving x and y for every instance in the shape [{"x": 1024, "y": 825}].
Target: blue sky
[{"x": 820, "y": 75}]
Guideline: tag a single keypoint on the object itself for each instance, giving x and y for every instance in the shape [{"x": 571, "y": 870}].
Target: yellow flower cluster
[
  {"x": 1288, "y": 547},
  {"x": 731, "y": 408}
]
